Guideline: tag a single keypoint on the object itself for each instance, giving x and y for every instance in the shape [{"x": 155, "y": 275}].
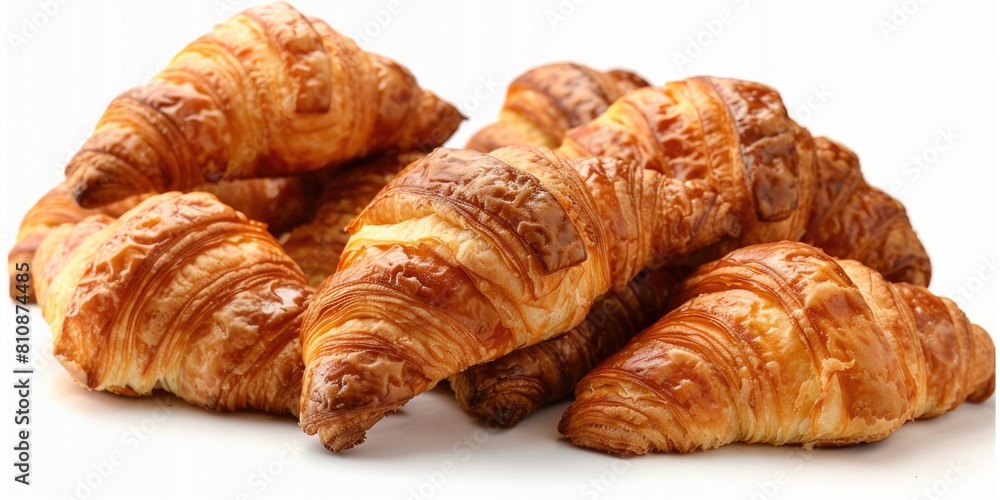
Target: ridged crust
[
  {"x": 853, "y": 220},
  {"x": 181, "y": 293},
  {"x": 266, "y": 93},
  {"x": 465, "y": 257},
  {"x": 54, "y": 208},
  {"x": 780, "y": 343},
  {"x": 733, "y": 134},
  {"x": 737, "y": 136},
  {"x": 280, "y": 203},
  {"x": 545, "y": 102}
]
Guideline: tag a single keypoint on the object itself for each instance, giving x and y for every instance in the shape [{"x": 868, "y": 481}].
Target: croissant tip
[
  {"x": 340, "y": 437},
  {"x": 504, "y": 415},
  {"x": 599, "y": 438},
  {"x": 92, "y": 187},
  {"x": 583, "y": 428},
  {"x": 95, "y": 195},
  {"x": 985, "y": 392}
]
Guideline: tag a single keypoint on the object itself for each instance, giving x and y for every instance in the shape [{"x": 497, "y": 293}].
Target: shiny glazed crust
[
  {"x": 465, "y": 257},
  {"x": 280, "y": 202},
  {"x": 267, "y": 93},
  {"x": 545, "y": 102},
  {"x": 779, "y": 343},
  {"x": 181, "y": 293},
  {"x": 670, "y": 128}
]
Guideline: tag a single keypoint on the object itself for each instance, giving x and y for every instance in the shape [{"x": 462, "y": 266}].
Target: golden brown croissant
[
  {"x": 316, "y": 245},
  {"x": 278, "y": 202},
  {"x": 545, "y": 102},
  {"x": 181, "y": 293},
  {"x": 54, "y": 208},
  {"x": 846, "y": 217},
  {"x": 737, "y": 136},
  {"x": 733, "y": 134},
  {"x": 267, "y": 93},
  {"x": 465, "y": 257},
  {"x": 508, "y": 388},
  {"x": 780, "y": 343},
  {"x": 850, "y": 219}
]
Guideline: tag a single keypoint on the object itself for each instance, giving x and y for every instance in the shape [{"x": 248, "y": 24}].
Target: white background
[{"x": 887, "y": 93}]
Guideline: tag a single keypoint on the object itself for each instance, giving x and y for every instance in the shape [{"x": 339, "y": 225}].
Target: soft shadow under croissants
[{"x": 511, "y": 268}]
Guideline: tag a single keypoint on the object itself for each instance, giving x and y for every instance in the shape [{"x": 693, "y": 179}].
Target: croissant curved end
[
  {"x": 985, "y": 352},
  {"x": 363, "y": 397},
  {"x": 588, "y": 428},
  {"x": 503, "y": 401},
  {"x": 97, "y": 178}
]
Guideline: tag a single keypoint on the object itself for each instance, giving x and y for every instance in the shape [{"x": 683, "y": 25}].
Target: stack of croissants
[{"x": 272, "y": 224}]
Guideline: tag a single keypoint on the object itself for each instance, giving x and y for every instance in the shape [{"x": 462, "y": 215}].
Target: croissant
[
  {"x": 278, "y": 202},
  {"x": 780, "y": 343},
  {"x": 316, "y": 245},
  {"x": 267, "y": 93},
  {"x": 734, "y": 135},
  {"x": 509, "y": 388},
  {"x": 850, "y": 219},
  {"x": 181, "y": 293},
  {"x": 54, "y": 208},
  {"x": 464, "y": 257},
  {"x": 545, "y": 102},
  {"x": 846, "y": 217}
]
